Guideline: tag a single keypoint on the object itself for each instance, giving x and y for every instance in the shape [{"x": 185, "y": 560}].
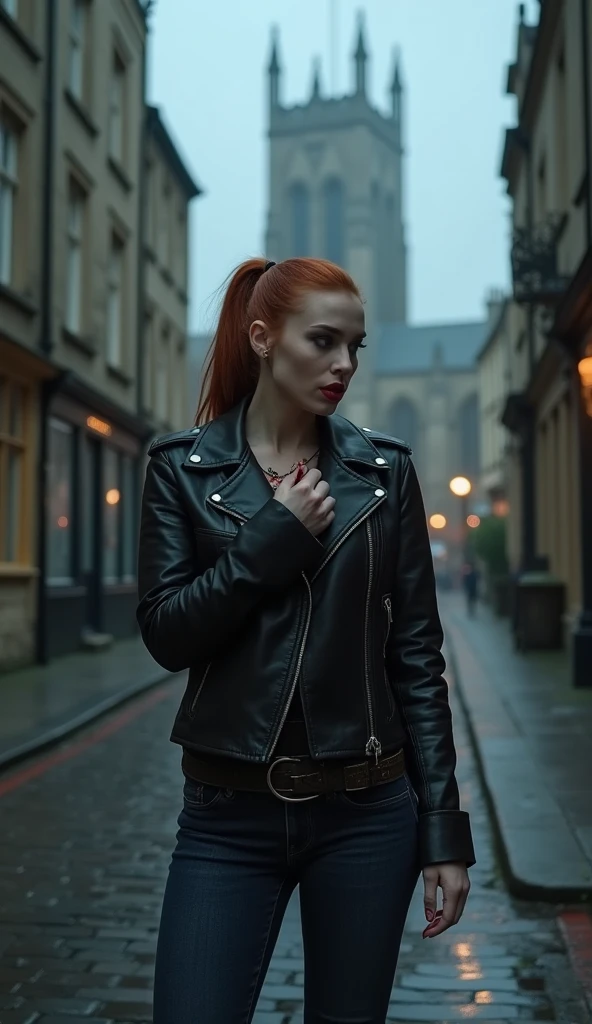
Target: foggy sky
[{"x": 207, "y": 72}]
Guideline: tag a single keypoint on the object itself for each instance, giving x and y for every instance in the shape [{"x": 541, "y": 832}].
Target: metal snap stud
[
  {"x": 216, "y": 497},
  {"x": 195, "y": 458},
  {"x": 380, "y": 462},
  {"x": 196, "y": 430},
  {"x": 379, "y": 492}
]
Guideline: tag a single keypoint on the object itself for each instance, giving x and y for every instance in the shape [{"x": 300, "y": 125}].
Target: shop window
[
  {"x": 14, "y": 401},
  {"x": 119, "y": 517},
  {"x": 8, "y": 195},
  {"x": 60, "y": 503}
]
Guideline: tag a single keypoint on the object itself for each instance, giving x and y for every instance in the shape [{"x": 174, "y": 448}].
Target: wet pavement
[
  {"x": 523, "y": 711},
  {"x": 86, "y": 841}
]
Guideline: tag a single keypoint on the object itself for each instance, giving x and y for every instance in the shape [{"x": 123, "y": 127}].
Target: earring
[{"x": 265, "y": 353}]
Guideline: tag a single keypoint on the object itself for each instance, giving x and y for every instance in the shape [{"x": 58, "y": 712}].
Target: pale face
[{"x": 314, "y": 357}]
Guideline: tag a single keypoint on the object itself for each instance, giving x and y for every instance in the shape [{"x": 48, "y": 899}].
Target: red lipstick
[{"x": 333, "y": 392}]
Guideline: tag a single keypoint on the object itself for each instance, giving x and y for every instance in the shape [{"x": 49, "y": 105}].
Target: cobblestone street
[{"x": 87, "y": 835}]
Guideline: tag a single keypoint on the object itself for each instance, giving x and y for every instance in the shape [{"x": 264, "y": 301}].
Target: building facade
[
  {"x": 337, "y": 190},
  {"x": 77, "y": 286},
  {"x": 547, "y": 165}
]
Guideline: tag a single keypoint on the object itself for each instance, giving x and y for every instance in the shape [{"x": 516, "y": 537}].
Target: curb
[
  {"x": 517, "y": 885},
  {"x": 51, "y": 737}
]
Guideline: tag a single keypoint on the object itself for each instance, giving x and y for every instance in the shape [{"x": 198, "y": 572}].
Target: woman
[{"x": 284, "y": 560}]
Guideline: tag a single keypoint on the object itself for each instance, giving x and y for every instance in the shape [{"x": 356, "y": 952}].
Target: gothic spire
[
  {"x": 397, "y": 86},
  {"x": 316, "y": 78},
  {"x": 361, "y": 56},
  {"x": 274, "y": 69}
]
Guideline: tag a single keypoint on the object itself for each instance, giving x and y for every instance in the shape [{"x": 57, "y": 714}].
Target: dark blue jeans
[{"x": 239, "y": 857}]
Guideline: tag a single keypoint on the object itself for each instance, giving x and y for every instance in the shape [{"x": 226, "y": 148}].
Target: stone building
[
  {"x": 76, "y": 284},
  {"x": 547, "y": 326},
  {"x": 337, "y": 190}
]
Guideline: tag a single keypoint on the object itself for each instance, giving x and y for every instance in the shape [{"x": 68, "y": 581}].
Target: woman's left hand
[{"x": 453, "y": 880}]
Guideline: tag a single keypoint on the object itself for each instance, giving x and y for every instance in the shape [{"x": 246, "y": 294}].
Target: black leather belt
[{"x": 293, "y": 778}]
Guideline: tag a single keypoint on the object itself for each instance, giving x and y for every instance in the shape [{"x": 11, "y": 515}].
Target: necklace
[{"x": 275, "y": 478}]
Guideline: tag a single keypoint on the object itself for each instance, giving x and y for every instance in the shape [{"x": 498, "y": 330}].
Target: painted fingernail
[{"x": 429, "y": 914}]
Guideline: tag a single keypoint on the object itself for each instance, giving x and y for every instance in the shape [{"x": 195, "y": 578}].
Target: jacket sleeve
[
  {"x": 184, "y": 617},
  {"x": 416, "y": 666}
]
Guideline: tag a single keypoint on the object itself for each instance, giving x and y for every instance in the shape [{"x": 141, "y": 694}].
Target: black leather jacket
[{"x": 234, "y": 588}]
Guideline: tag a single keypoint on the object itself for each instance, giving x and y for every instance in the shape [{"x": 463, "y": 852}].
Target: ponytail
[{"x": 232, "y": 367}]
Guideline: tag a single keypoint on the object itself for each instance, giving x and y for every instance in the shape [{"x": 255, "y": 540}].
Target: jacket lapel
[{"x": 351, "y": 465}]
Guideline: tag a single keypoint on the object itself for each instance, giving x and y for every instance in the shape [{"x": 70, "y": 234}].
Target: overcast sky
[{"x": 207, "y": 72}]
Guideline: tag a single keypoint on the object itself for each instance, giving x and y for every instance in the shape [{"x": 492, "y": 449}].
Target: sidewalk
[
  {"x": 42, "y": 704},
  {"x": 532, "y": 733}
]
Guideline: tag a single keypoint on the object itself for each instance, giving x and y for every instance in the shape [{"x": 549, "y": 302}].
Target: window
[
  {"x": 334, "y": 226},
  {"x": 469, "y": 436},
  {"x": 119, "y": 517},
  {"x": 117, "y": 110},
  {"x": 114, "y": 303},
  {"x": 299, "y": 206},
  {"x": 111, "y": 514},
  {"x": 404, "y": 422},
  {"x": 14, "y": 400},
  {"x": 129, "y": 538},
  {"x": 10, "y": 6},
  {"x": 8, "y": 190},
  {"x": 162, "y": 379},
  {"x": 148, "y": 358},
  {"x": 60, "y": 526},
  {"x": 77, "y": 37},
  {"x": 74, "y": 258}
]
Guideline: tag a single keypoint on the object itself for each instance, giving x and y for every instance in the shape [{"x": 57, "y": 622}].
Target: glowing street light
[
  {"x": 437, "y": 522},
  {"x": 460, "y": 486},
  {"x": 473, "y": 522}
]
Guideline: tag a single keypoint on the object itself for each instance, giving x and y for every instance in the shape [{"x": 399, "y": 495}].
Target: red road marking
[
  {"x": 119, "y": 721},
  {"x": 577, "y": 932}
]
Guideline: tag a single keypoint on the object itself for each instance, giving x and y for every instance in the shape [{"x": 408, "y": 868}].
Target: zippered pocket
[
  {"x": 198, "y": 691},
  {"x": 388, "y": 611}
]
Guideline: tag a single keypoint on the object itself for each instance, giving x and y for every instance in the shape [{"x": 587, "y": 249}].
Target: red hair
[{"x": 232, "y": 367}]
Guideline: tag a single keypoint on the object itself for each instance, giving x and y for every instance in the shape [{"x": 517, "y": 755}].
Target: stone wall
[{"x": 17, "y": 622}]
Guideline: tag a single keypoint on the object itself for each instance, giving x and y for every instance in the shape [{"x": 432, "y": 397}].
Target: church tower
[{"x": 336, "y": 191}]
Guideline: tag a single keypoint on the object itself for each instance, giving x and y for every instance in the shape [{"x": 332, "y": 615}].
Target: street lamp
[
  {"x": 461, "y": 487},
  {"x": 437, "y": 522}
]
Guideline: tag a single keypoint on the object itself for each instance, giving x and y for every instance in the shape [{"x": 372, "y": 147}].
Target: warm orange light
[
  {"x": 460, "y": 486},
  {"x": 112, "y": 497},
  {"x": 473, "y": 522},
  {"x": 63, "y": 522},
  {"x": 94, "y": 423},
  {"x": 437, "y": 522},
  {"x": 585, "y": 372},
  {"x": 501, "y": 508}
]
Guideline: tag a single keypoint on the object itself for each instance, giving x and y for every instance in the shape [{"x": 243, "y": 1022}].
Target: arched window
[
  {"x": 299, "y": 220},
  {"x": 404, "y": 422},
  {"x": 468, "y": 423},
  {"x": 333, "y": 204}
]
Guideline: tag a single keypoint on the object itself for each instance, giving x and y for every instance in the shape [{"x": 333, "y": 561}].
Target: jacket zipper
[
  {"x": 298, "y": 667},
  {"x": 199, "y": 689},
  {"x": 347, "y": 534},
  {"x": 227, "y": 511},
  {"x": 373, "y": 745}
]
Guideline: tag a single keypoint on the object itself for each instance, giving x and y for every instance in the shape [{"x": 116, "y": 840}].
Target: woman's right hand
[{"x": 308, "y": 500}]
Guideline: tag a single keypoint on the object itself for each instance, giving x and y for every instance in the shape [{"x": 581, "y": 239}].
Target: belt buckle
[{"x": 280, "y": 796}]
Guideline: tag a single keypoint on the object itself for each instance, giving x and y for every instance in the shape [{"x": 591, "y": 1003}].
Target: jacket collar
[
  {"x": 223, "y": 442},
  {"x": 350, "y": 463}
]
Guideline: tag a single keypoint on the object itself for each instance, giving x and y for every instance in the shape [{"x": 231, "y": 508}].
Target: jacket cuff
[
  {"x": 445, "y": 836},
  {"x": 282, "y": 544}
]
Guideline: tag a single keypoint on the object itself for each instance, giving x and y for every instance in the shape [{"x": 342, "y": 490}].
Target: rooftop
[{"x": 417, "y": 349}]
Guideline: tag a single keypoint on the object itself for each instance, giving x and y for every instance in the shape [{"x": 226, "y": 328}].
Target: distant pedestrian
[
  {"x": 471, "y": 588},
  {"x": 285, "y": 561}
]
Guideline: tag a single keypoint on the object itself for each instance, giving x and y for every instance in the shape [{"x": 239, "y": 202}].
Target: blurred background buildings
[{"x": 93, "y": 317}]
